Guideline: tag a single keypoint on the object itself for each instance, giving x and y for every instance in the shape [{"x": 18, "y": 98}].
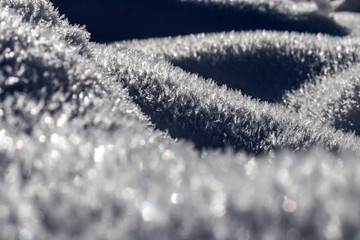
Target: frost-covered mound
[{"x": 231, "y": 135}]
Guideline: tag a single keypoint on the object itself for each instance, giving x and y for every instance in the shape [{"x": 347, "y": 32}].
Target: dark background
[
  {"x": 109, "y": 20},
  {"x": 113, "y": 20}
]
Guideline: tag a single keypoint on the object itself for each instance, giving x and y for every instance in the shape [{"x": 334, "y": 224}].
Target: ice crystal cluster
[{"x": 249, "y": 134}]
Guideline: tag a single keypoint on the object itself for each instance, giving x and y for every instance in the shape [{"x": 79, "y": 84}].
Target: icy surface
[{"x": 230, "y": 135}]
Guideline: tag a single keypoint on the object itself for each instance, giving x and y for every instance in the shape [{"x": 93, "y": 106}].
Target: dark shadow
[
  {"x": 263, "y": 74},
  {"x": 349, "y": 6},
  {"x": 111, "y": 20}
]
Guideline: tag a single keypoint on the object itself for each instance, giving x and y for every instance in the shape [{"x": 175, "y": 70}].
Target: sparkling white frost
[{"x": 79, "y": 159}]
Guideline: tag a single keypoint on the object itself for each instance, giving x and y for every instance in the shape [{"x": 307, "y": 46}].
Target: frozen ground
[{"x": 214, "y": 134}]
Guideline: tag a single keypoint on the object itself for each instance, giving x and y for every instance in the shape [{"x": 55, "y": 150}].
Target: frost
[{"x": 231, "y": 135}]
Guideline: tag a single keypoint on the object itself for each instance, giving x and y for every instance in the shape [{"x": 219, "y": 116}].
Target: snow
[{"x": 245, "y": 134}]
